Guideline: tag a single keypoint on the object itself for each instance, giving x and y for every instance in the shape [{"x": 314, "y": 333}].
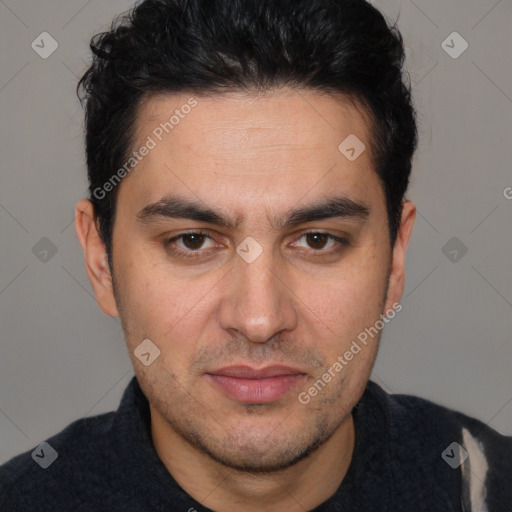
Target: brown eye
[
  {"x": 317, "y": 240},
  {"x": 193, "y": 241},
  {"x": 190, "y": 246}
]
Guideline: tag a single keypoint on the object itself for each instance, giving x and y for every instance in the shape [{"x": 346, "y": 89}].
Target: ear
[
  {"x": 96, "y": 261},
  {"x": 397, "y": 271}
]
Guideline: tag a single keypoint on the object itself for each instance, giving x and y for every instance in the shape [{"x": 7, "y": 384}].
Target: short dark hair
[{"x": 214, "y": 46}]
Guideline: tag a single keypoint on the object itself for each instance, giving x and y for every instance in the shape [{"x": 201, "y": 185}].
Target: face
[{"x": 250, "y": 312}]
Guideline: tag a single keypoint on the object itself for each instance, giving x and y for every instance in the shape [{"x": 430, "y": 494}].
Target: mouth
[{"x": 256, "y": 386}]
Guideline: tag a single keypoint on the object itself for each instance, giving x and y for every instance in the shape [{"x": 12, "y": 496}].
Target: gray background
[{"x": 61, "y": 358}]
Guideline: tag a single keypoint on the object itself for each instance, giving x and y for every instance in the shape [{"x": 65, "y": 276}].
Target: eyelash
[{"x": 169, "y": 244}]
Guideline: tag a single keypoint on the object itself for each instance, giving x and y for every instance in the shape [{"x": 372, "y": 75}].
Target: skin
[{"x": 257, "y": 157}]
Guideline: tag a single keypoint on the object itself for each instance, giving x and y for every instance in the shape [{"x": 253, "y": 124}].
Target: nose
[{"x": 257, "y": 301}]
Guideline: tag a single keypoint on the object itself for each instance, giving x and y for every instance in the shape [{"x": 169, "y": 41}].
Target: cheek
[
  {"x": 335, "y": 305},
  {"x": 344, "y": 305},
  {"x": 168, "y": 311}
]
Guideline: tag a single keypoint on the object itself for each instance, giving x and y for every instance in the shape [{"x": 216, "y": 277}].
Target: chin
[
  {"x": 257, "y": 461},
  {"x": 265, "y": 453}
]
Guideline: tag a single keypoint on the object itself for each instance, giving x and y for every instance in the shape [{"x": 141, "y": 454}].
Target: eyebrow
[{"x": 177, "y": 207}]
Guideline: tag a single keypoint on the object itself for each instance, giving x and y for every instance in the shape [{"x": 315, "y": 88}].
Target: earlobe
[
  {"x": 96, "y": 261},
  {"x": 397, "y": 271}
]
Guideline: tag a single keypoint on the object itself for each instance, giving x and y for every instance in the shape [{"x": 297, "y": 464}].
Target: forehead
[
  {"x": 239, "y": 120},
  {"x": 278, "y": 145}
]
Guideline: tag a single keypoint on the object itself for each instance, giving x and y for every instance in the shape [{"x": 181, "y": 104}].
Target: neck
[{"x": 300, "y": 487}]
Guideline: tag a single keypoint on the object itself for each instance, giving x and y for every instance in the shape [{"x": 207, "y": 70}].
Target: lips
[{"x": 256, "y": 385}]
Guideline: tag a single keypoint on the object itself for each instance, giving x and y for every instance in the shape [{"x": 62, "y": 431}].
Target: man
[{"x": 248, "y": 162}]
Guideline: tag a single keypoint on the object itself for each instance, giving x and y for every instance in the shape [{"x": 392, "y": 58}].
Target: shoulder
[
  {"x": 55, "y": 467},
  {"x": 412, "y": 411},
  {"x": 423, "y": 414},
  {"x": 435, "y": 442}
]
